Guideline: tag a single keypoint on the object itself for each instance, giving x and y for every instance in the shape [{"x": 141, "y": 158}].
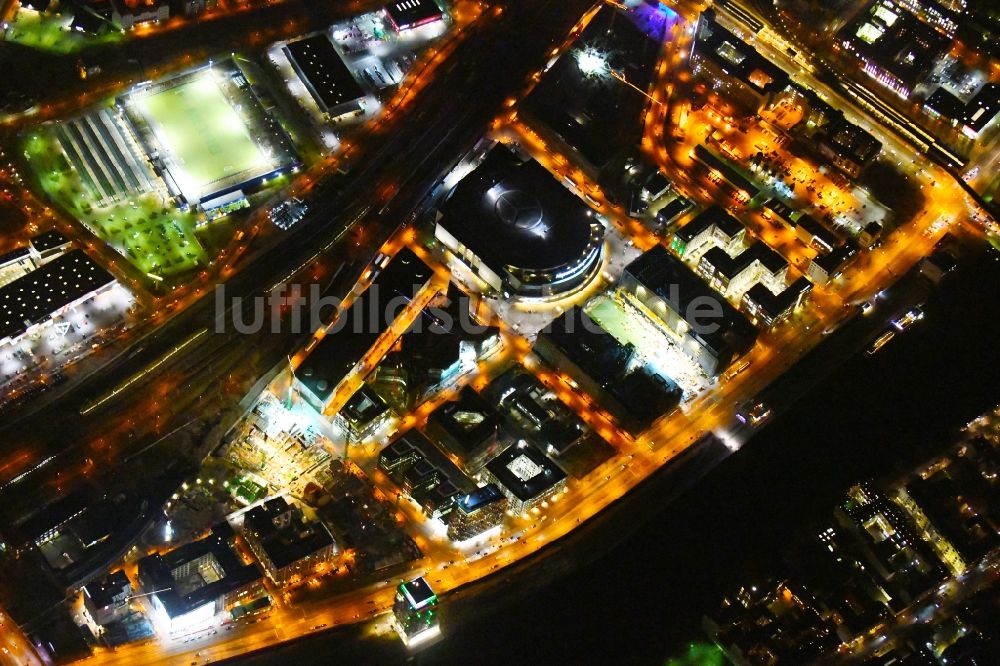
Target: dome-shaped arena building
[{"x": 516, "y": 227}]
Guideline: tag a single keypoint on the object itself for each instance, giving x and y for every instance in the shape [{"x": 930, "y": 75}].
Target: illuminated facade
[
  {"x": 526, "y": 476},
  {"x": 414, "y": 612},
  {"x": 189, "y": 586},
  {"x": 476, "y": 512},
  {"x": 669, "y": 294}
]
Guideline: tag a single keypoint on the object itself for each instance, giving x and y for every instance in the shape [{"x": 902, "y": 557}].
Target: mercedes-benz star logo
[{"x": 519, "y": 209}]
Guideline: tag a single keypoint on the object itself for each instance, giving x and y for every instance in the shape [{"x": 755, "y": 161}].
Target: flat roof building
[
  {"x": 446, "y": 339},
  {"x": 981, "y": 111},
  {"x": 743, "y": 187},
  {"x": 605, "y": 368},
  {"x": 415, "y": 611},
  {"x": 363, "y": 414},
  {"x": 49, "y": 290},
  {"x": 424, "y": 473},
  {"x": 672, "y": 296},
  {"x": 519, "y": 229},
  {"x": 714, "y": 226},
  {"x": 47, "y": 245},
  {"x": 476, "y": 512},
  {"x": 188, "y": 586},
  {"x": 324, "y": 74},
  {"x": 733, "y": 275},
  {"x": 341, "y": 352},
  {"x": 408, "y": 14},
  {"x": 812, "y": 233},
  {"x": 469, "y": 427},
  {"x": 893, "y": 46},
  {"x": 751, "y": 73},
  {"x": 526, "y": 476},
  {"x": 286, "y": 546},
  {"x": 106, "y": 599},
  {"x": 826, "y": 267},
  {"x": 538, "y": 414},
  {"x": 847, "y": 146},
  {"x": 944, "y": 104},
  {"x": 766, "y": 308},
  {"x": 598, "y": 116}
]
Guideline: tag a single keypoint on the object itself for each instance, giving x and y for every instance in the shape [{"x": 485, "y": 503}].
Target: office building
[
  {"x": 607, "y": 370},
  {"x": 733, "y": 275},
  {"x": 189, "y": 586},
  {"x": 766, "y": 308},
  {"x": 363, "y": 414},
  {"x": 525, "y": 475},
  {"x": 537, "y": 414},
  {"x": 288, "y": 547},
  {"x": 424, "y": 473},
  {"x": 748, "y": 78},
  {"x": 359, "y": 337},
  {"x": 468, "y": 427},
  {"x": 713, "y": 227},
  {"x": 594, "y": 114},
  {"x": 106, "y": 599},
  {"x": 414, "y": 612},
  {"x": 892, "y": 45},
  {"x": 444, "y": 341},
  {"x": 476, "y": 512},
  {"x": 709, "y": 329}
]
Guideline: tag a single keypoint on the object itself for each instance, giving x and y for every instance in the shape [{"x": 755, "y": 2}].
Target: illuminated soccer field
[{"x": 208, "y": 144}]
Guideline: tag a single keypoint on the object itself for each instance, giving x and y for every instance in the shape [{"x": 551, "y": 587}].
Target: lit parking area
[
  {"x": 375, "y": 55},
  {"x": 66, "y": 337}
]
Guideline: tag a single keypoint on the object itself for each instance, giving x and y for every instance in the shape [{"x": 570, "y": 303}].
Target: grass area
[
  {"x": 150, "y": 232},
  {"x": 247, "y": 490},
  {"x": 699, "y": 654},
  {"x": 206, "y": 136},
  {"x": 618, "y": 323},
  {"x": 51, "y": 32}
]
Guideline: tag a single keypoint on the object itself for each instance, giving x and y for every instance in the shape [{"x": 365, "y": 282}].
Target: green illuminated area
[
  {"x": 699, "y": 654},
  {"x": 247, "y": 490},
  {"x": 51, "y": 32},
  {"x": 150, "y": 232},
  {"x": 205, "y": 134}
]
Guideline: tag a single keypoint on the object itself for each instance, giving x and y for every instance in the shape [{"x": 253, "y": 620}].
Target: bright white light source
[{"x": 592, "y": 62}]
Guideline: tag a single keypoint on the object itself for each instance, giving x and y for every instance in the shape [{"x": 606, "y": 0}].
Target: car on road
[
  {"x": 757, "y": 415},
  {"x": 908, "y": 319},
  {"x": 737, "y": 369}
]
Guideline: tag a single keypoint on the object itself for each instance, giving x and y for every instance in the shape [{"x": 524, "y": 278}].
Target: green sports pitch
[{"x": 208, "y": 144}]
